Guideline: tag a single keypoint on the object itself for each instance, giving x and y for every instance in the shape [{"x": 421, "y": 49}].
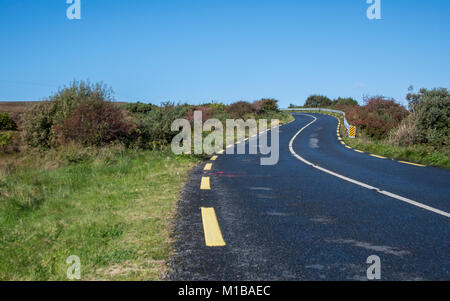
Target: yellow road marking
[
  {"x": 357, "y": 150},
  {"x": 381, "y": 157},
  {"x": 211, "y": 228},
  {"x": 410, "y": 163},
  {"x": 220, "y": 152},
  {"x": 214, "y": 158},
  {"x": 205, "y": 184},
  {"x": 208, "y": 166},
  {"x": 339, "y": 138},
  {"x": 342, "y": 142},
  {"x": 348, "y": 147}
]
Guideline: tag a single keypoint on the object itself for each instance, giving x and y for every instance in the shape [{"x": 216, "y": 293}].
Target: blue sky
[{"x": 227, "y": 50}]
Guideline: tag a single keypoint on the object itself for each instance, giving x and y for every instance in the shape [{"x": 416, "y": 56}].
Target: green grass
[
  {"x": 111, "y": 207},
  {"x": 421, "y": 154}
]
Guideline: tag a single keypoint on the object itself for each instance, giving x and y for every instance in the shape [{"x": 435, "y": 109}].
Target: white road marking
[{"x": 386, "y": 193}]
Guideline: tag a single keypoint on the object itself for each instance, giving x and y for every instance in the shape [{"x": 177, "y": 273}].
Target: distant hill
[{"x": 15, "y": 108}]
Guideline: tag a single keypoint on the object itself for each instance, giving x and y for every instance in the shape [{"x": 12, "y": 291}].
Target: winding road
[{"x": 316, "y": 215}]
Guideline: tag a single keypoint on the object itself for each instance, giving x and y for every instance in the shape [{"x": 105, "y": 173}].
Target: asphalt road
[{"x": 293, "y": 221}]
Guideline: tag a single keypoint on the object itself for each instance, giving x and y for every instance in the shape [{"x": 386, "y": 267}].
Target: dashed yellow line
[
  {"x": 208, "y": 166},
  {"x": 410, "y": 163},
  {"x": 205, "y": 184},
  {"x": 373, "y": 155},
  {"x": 211, "y": 228},
  {"x": 220, "y": 152},
  {"x": 214, "y": 158}
]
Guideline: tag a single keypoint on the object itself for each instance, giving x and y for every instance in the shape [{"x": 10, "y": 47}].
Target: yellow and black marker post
[{"x": 352, "y": 132}]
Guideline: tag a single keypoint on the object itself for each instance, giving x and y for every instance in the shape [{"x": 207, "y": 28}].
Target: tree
[
  {"x": 414, "y": 99},
  {"x": 347, "y": 101},
  {"x": 315, "y": 101},
  {"x": 433, "y": 109},
  {"x": 429, "y": 121},
  {"x": 40, "y": 121}
]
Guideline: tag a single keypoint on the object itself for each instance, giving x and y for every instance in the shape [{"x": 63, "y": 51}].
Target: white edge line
[{"x": 387, "y": 193}]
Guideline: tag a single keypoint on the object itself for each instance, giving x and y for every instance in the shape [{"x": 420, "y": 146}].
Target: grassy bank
[
  {"x": 111, "y": 207},
  {"x": 421, "y": 154}
]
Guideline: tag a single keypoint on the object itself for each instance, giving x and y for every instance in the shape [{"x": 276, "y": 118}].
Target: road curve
[{"x": 293, "y": 221}]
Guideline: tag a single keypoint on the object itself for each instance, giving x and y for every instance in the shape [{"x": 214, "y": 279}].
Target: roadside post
[{"x": 352, "y": 132}]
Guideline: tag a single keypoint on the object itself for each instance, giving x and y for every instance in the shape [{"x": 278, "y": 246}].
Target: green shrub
[
  {"x": 414, "y": 98},
  {"x": 433, "y": 111},
  {"x": 40, "y": 121},
  {"x": 218, "y": 107},
  {"x": 7, "y": 123},
  {"x": 138, "y": 107},
  {"x": 154, "y": 129},
  {"x": 431, "y": 117},
  {"x": 6, "y": 139},
  {"x": 316, "y": 101},
  {"x": 348, "y": 101}
]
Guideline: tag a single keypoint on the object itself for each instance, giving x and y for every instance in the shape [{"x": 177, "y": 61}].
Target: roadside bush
[
  {"x": 265, "y": 105},
  {"x": 378, "y": 117},
  {"x": 218, "y": 107},
  {"x": 154, "y": 129},
  {"x": 138, "y": 107},
  {"x": 6, "y": 139},
  {"x": 348, "y": 101},
  {"x": 37, "y": 125},
  {"x": 220, "y": 110},
  {"x": 407, "y": 133},
  {"x": 433, "y": 114},
  {"x": 429, "y": 122},
  {"x": 208, "y": 112},
  {"x": 240, "y": 109},
  {"x": 414, "y": 99},
  {"x": 316, "y": 101},
  {"x": 40, "y": 120},
  {"x": 95, "y": 124},
  {"x": 7, "y": 123}
]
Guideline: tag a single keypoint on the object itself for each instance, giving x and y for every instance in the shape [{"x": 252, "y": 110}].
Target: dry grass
[{"x": 112, "y": 207}]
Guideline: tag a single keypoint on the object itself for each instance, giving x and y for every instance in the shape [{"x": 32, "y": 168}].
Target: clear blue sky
[{"x": 227, "y": 50}]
